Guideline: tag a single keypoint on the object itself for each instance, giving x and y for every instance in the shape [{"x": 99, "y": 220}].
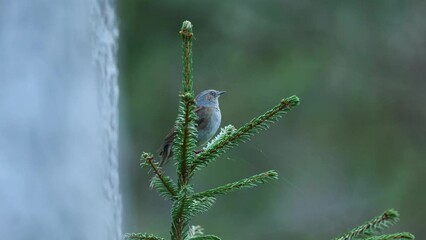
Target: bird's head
[{"x": 209, "y": 98}]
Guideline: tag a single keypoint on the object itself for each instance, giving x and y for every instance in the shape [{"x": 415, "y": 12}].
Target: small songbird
[{"x": 208, "y": 122}]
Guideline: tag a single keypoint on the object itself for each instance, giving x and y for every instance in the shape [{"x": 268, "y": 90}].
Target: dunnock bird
[{"x": 208, "y": 122}]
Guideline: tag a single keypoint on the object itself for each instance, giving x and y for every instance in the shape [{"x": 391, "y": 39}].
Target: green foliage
[
  {"x": 250, "y": 182},
  {"x": 197, "y": 232},
  {"x": 163, "y": 184},
  {"x": 395, "y": 236},
  {"x": 186, "y": 132},
  {"x": 207, "y": 237},
  {"x": 185, "y": 202},
  {"x": 186, "y": 136},
  {"x": 141, "y": 236},
  {"x": 374, "y": 227}
]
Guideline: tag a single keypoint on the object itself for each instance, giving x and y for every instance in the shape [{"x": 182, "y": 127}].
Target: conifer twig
[
  {"x": 185, "y": 139},
  {"x": 244, "y": 133},
  {"x": 141, "y": 236},
  {"x": 179, "y": 218},
  {"x": 186, "y": 132},
  {"x": 186, "y": 33},
  {"x": 394, "y": 236},
  {"x": 206, "y": 237},
  {"x": 168, "y": 187},
  {"x": 374, "y": 226},
  {"x": 243, "y": 183}
]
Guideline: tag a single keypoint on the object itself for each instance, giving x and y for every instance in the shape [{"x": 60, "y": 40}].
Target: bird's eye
[{"x": 212, "y": 93}]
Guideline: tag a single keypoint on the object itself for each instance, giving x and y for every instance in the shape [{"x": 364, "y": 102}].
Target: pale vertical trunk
[{"x": 58, "y": 120}]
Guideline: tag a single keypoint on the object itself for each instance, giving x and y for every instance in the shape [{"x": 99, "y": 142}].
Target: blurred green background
[{"x": 353, "y": 148}]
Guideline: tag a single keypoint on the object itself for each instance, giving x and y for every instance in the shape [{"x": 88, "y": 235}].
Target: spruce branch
[
  {"x": 186, "y": 137},
  {"x": 395, "y": 236},
  {"x": 250, "y": 182},
  {"x": 223, "y": 134},
  {"x": 141, "y": 236},
  {"x": 244, "y": 133},
  {"x": 186, "y": 204},
  {"x": 374, "y": 226},
  {"x": 199, "y": 205},
  {"x": 206, "y": 237},
  {"x": 185, "y": 140},
  {"x": 186, "y": 33},
  {"x": 186, "y": 132},
  {"x": 181, "y": 213},
  {"x": 163, "y": 184},
  {"x": 195, "y": 231}
]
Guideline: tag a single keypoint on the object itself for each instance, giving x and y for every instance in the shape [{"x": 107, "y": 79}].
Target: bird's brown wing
[
  {"x": 166, "y": 149},
  {"x": 200, "y": 119}
]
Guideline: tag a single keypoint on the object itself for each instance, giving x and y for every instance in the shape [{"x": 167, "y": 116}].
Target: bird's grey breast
[{"x": 210, "y": 123}]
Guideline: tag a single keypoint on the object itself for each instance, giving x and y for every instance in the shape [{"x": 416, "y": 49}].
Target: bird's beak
[{"x": 220, "y": 92}]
